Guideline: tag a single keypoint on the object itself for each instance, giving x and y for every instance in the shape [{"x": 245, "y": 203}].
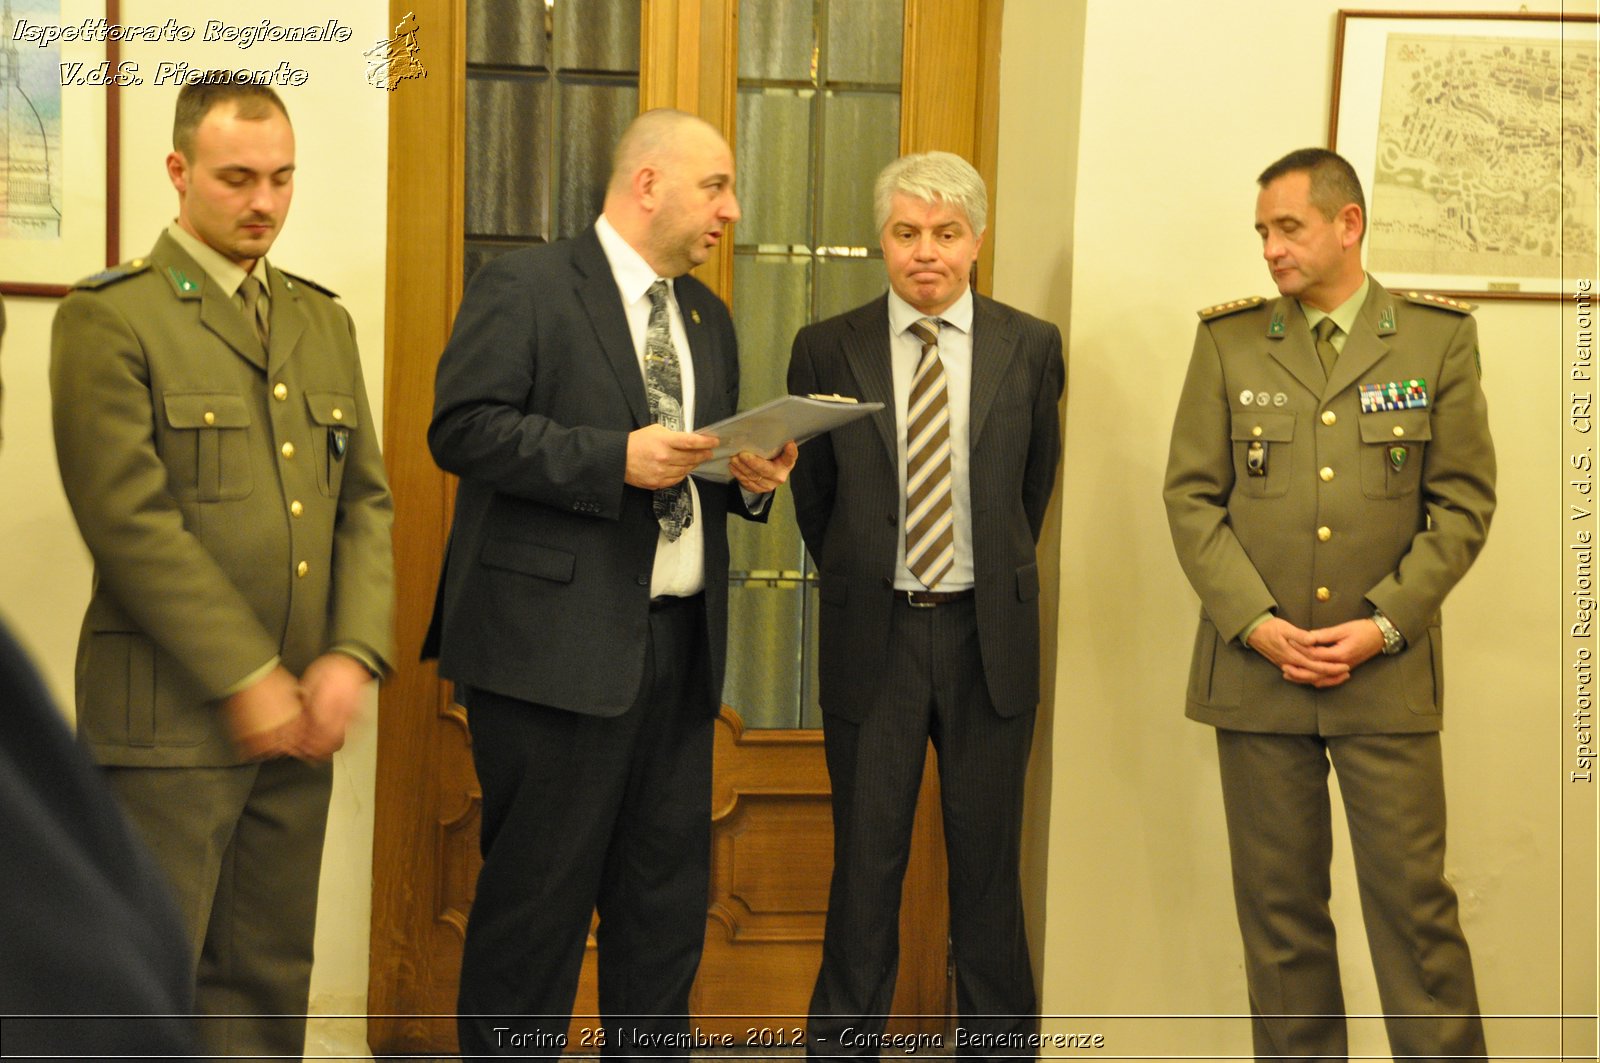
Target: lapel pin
[
  {"x": 182, "y": 281},
  {"x": 694, "y": 315},
  {"x": 1276, "y": 328}
]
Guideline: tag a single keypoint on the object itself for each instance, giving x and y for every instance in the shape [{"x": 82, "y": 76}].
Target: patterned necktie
[
  {"x": 663, "y": 385},
  {"x": 930, "y": 531},
  {"x": 255, "y": 311},
  {"x": 1325, "y": 348}
]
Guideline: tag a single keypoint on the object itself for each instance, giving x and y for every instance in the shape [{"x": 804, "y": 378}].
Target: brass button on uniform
[
  {"x": 288, "y": 452},
  {"x": 1326, "y": 472},
  {"x": 338, "y": 414},
  {"x": 1323, "y": 593},
  {"x": 280, "y": 392},
  {"x": 295, "y": 508},
  {"x": 302, "y": 568},
  {"x": 210, "y": 417},
  {"x": 1324, "y": 533},
  {"x": 1256, "y": 430},
  {"x": 1398, "y": 431},
  {"x": 1329, "y": 418}
]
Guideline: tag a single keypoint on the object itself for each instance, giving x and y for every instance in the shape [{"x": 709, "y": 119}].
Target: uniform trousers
[
  {"x": 1275, "y": 796},
  {"x": 932, "y": 687},
  {"x": 242, "y": 847},
  {"x": 583, "y": 814}
]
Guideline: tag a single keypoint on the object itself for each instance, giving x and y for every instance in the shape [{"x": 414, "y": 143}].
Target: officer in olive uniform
[
  {"x": 219, "y": 455},
  {"x": 1331, "y": 477}
]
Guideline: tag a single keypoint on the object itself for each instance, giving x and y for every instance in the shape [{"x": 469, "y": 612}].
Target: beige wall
[
  {"x": 335, "y": 236},
  {"x": 1179, "y": 107}
]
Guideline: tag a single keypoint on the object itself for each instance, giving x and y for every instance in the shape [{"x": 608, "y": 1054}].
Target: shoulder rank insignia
[
  {"x": 1443, "y": 302},
  {"x": 114, "y": 274},
  {"x": 1231, "y": 307},
  {"x": 291, "y": 279}
]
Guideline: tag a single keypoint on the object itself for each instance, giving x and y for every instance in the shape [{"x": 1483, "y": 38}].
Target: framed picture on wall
[
  {"x": 1475, "y": 139},
  {"x": 59, "y": 126}
]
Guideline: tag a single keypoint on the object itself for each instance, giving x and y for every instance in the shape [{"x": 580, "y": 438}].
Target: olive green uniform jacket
[
  {"x": 1355, "y": 510},
  {"x": 233, "y": 499}
]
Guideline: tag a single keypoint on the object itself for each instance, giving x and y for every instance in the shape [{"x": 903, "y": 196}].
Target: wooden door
[{"x": 772, "y": 839}]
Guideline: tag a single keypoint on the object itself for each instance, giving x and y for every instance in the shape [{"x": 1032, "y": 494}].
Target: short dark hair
[
  {"x": 1334, "y": 183},
  {"x": 254, "y": 103}
]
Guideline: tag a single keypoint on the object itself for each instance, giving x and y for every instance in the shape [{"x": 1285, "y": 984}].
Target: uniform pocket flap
[
  {"x": 332, "y": 408},
  {"x": 1267, "y": 427},
  {"x": 530, "y": 559},
  {"x": 206, "y": 409},
  {"x": 1396, "y": 426}
]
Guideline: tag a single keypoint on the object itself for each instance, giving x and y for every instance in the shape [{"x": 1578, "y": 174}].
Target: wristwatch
[{"x": 1393, "y": 641}]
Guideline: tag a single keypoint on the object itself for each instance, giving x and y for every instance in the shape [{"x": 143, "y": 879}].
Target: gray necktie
[
  {"x": 1325, "y": 348},
  {"x": 255, "y": 310},
  {"x": 930, "y": 531},
  {"x": 663, "y": 385}
]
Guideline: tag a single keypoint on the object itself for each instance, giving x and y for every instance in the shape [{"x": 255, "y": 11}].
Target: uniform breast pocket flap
[
  {"x": 1262, "y": 444},
  {"x": 207, "y": 445},
  {"x": 333, "y": 422},
  {"x": 1394, "y": 443}
]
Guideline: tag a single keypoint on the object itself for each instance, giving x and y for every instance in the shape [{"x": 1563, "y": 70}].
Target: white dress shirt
[{"x": 680, "y": 565}]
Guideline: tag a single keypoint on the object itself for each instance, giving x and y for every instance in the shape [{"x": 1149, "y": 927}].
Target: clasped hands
[
  {"x": 279, "y": 716},
  {"x": 659, "y": 457},
  {"x": 1321, "y": 658}
]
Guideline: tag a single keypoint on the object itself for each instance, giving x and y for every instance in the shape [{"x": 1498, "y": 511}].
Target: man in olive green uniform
[
  {"x": 1331, "y": 478},
  {"x": 219, "y": 455}
]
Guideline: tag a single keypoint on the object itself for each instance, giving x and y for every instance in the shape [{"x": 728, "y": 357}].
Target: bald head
[
  {"x": 671, "y": 189},
  {"x": 654, "y": 139}
]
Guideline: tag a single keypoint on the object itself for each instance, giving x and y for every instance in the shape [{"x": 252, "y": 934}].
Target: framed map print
[
  {"x": 58, "y": 142},
  {"x": 1475, "y": 138}
]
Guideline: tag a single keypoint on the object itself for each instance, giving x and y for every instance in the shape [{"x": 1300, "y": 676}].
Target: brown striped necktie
[{"x": 930, "y": 529}]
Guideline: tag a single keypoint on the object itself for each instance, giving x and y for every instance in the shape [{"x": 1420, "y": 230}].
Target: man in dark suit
[
  {"x": 1331, "y": 478},
  {"x": 582, "y": 611},
  {"x": 923, "y": 520}
]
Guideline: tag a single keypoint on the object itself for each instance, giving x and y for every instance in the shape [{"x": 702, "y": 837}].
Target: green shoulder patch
[
  {"x": 1443, "y": 302},
  {"x": 114, "y": 274},
  {"x": 295, "y": 278},
  {"x": 1233, "y": 306}
]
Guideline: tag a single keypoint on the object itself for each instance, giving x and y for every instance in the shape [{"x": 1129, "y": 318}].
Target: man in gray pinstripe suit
[{"x": 929, "y": 614}]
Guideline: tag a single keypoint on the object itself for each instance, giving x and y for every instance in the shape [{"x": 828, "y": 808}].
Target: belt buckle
[{"x": 911, "y": 600}]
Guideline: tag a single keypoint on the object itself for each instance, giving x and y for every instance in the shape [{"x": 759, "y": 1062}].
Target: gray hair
[{"x": 933, "y": 176}]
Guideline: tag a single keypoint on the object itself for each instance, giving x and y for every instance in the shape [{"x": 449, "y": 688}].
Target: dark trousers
[
  {"x": 242, "y": 847},
  {"x": 583, "y": 813},
  {"x": 1275, "y": 795},
  {"x": 932, "y": 687}
]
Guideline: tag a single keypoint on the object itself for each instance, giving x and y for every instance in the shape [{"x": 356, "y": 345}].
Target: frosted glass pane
[
  {"x": 864, "y": 41},
  {"x": 775, "y": 39},
  {"x": 763, "y": 681},
  {"x": 774, "y": 167},
  {"x": 771, "y": 301},
  {"x": 861, "y": 134},
  {"x": 596, "y": 34},
  {"x": 506, "y": 33},
  {"x": 845, "y": 283},
  {"x": 508, "y": 121},
  {"x": 593, "y": 116}
]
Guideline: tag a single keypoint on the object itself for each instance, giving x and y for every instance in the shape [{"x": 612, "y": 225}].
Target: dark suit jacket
[
  {"x": 545, "y": 592},
  {"x": 89, "y": 926},
  {"x": 847, "y": 494}
]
